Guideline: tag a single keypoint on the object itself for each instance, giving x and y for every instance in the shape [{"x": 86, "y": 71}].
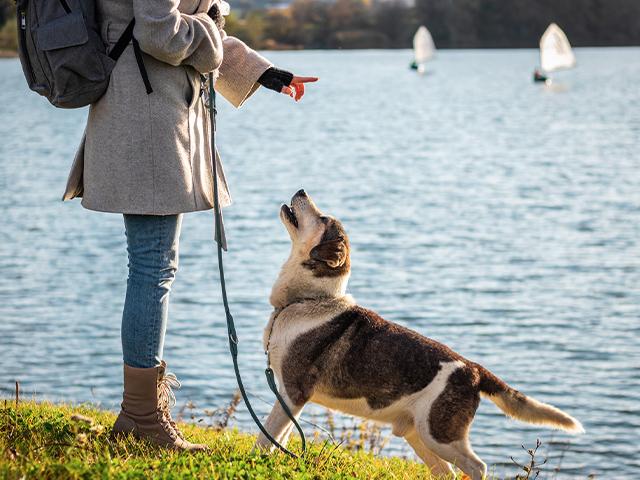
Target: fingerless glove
[{"x": 274, "y": 79}]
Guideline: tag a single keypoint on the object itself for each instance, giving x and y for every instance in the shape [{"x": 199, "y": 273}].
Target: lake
[{"x": 495, "y": 215}]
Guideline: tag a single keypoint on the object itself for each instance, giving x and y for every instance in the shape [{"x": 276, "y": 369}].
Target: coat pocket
[{"x": 193, "y": 88}]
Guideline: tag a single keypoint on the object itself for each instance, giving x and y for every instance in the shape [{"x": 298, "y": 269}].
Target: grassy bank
[{"x": 45, "y": 441}]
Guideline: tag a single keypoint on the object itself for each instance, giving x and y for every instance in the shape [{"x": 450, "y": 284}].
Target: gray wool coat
[{"x": 150, "y": 154}]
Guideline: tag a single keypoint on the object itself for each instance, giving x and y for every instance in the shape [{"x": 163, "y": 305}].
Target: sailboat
[
  {"x": 423, "y": 49},
  {"x": 555, "y": 53}
]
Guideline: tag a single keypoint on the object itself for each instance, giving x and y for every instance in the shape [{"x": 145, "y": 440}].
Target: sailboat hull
[{"x": 539, "y": 78}]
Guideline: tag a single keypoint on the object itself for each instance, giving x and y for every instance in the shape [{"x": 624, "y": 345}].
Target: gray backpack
[{"x": 62, "y": 54}]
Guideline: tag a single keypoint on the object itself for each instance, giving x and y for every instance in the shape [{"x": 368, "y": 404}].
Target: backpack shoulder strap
[
  {"x": 123, "y": 41},
  {"x": 121, "y": 44}
]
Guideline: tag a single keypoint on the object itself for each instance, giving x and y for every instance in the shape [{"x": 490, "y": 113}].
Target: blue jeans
[{"x": 152, "y": 245}]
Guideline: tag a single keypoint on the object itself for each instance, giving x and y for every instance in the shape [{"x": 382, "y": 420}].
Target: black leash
[{"x": 231, "y": 329}]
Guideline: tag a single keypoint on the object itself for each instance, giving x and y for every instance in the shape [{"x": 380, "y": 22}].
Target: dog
[{"x": 326, "y": 349}]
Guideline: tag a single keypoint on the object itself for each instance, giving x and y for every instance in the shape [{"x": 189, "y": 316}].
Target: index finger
[{"x": 297, "y": 79}]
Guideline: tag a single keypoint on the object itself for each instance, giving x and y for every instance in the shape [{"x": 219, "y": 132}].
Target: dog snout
[{"x": 300, "y": 200}]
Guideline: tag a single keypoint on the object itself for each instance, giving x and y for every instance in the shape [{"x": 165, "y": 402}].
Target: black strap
[
  {"x": 121, "y": 44},
  {"x": 141, "y": 67},
  {"x": 123, "y": 41},
  {"x": 231, "y": 329}
]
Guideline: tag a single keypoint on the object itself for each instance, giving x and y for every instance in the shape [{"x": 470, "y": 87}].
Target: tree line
[
  {"x": 324, "y": 24},
  {"x": 453, "y": 23}
]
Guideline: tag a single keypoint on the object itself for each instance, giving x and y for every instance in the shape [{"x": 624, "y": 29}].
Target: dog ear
[{"x": 332, "y": 252}]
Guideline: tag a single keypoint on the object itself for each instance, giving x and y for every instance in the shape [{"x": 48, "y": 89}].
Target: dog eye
[{"x": 324, "y": 219}]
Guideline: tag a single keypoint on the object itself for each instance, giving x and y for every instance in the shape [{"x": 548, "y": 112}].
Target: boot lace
[{"x": 167, "y": 400}]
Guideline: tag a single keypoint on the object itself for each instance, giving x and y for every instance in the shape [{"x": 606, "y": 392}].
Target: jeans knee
[
  {"x": 167, "y": 275},
  {"x": 157, "y": 270}
]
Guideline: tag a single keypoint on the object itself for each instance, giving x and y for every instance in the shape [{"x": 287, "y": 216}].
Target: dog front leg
[{"x": 278, "y": 425}]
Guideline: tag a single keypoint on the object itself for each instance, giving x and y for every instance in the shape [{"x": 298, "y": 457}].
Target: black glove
[
  {"x": 274, "y": 79},
  {"x": 216, "y": 16}
]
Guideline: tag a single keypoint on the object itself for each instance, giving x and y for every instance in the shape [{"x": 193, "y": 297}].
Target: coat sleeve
[
  {"x": 177, "y": 38},
  {"x": 240, "y": 70}
]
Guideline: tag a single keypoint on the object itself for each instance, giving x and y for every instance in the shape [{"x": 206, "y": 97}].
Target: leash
[{"x": 231, "y": 329}]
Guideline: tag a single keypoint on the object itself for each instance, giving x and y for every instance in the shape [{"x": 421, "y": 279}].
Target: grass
[{"x": 46, "y": 441}]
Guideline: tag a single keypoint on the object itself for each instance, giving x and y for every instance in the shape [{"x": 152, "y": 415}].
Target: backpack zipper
[{"x": 23, "y": 38}]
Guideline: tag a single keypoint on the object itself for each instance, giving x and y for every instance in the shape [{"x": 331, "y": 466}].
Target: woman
[{"x": 147, "y": 156}]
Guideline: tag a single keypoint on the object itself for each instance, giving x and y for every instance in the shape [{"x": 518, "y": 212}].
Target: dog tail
[{"x": 517, "y": 405}]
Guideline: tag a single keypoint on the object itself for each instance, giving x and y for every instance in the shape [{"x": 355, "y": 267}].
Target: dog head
[{"x": 319, "y": 264}]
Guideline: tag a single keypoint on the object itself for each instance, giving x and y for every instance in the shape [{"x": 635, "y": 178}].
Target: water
[{"x": 495, "y": 215}]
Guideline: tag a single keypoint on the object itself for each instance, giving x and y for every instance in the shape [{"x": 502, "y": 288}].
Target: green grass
[{"x": 45, "y": 441}]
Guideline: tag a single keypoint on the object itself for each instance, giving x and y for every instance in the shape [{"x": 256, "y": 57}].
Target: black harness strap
[
  {"x": 231, "y": 329},
  {"x": 121, "y": 44}
]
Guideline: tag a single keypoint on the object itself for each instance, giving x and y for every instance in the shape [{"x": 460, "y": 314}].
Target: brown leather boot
[{"x": 146, "y": 405}]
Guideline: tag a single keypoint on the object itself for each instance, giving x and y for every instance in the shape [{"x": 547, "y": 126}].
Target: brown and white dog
[{"x": 326, "y": 349}]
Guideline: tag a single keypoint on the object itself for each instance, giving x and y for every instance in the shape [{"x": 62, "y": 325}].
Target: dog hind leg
[
  {"x": 445, "y": 430},
  {"x": 458, "y": 453},
  {"x": 439, "y": 467}
]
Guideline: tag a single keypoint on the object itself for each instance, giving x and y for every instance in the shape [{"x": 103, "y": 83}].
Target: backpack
[{"x": 62, "y": 53}]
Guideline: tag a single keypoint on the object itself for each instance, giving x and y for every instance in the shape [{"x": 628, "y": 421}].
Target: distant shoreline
[{"x": 14, "y": 53}]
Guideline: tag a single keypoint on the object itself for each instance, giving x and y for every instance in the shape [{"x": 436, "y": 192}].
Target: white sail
[
  {"x": 423, "y": 47},
  {"x": 555, "y": 50}
]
